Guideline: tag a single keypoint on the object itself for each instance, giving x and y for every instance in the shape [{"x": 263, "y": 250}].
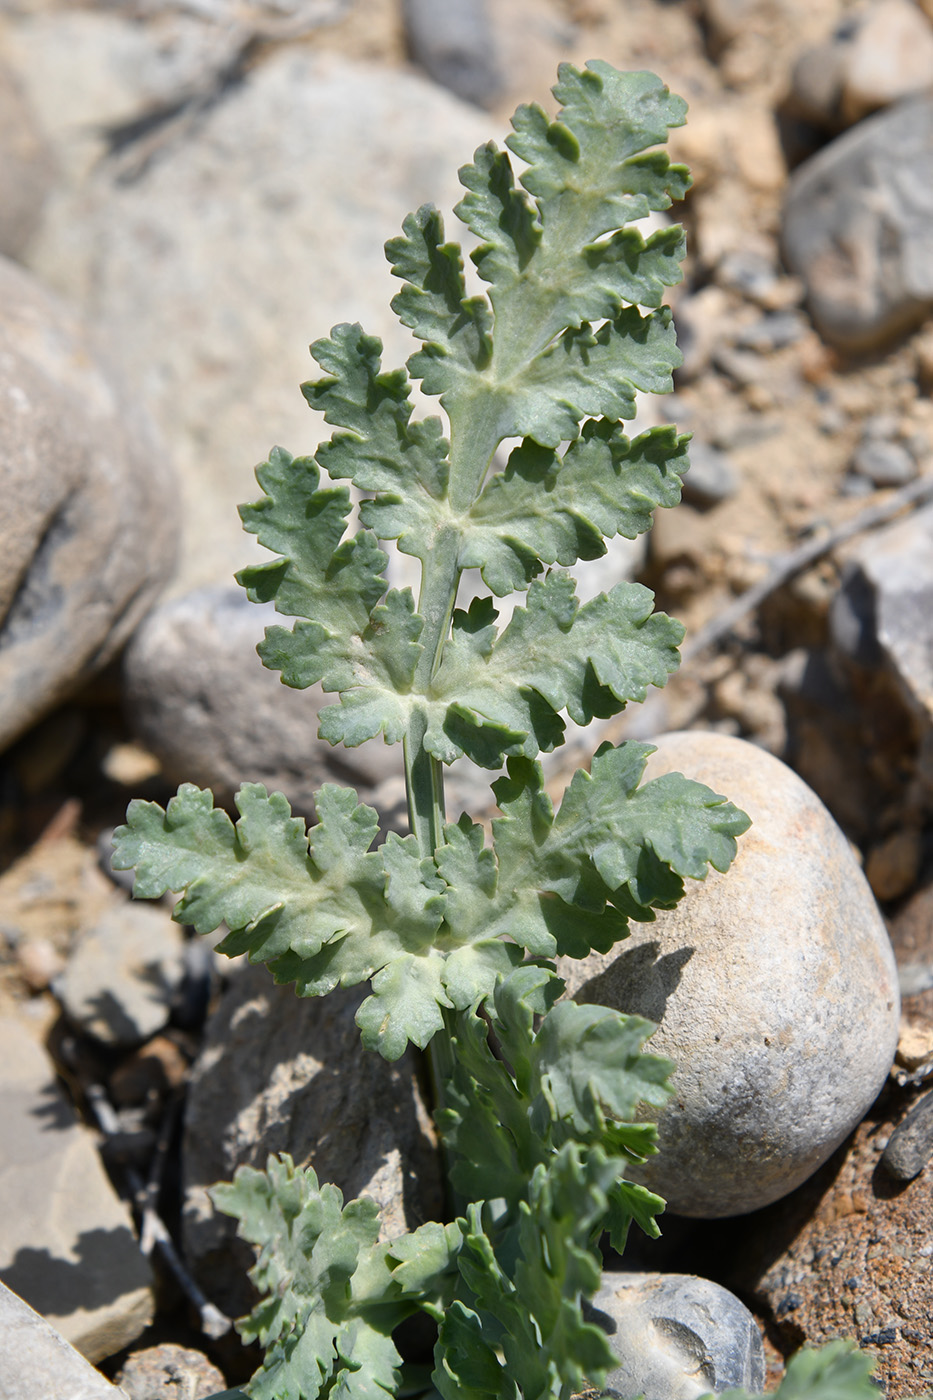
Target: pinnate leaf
[{"x": 547, "y": 509}]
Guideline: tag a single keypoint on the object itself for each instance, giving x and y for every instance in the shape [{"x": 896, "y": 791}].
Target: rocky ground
[{"x": 189, "y": 193}]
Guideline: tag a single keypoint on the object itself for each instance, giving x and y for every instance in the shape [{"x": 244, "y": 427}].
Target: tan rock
[
  {"x": 66, "y": 1241},
  {"x": 773, "y": 987},
  {"x": 27, "y": 169},
  {"x": 890, "y": 57},
  {"x": 893, "y": 865}
]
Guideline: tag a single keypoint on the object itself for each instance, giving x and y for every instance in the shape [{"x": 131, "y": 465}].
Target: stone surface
[
  {"x": 86, "y": 523},
  {"x": 773, "y": 987},
  {"x": 712, "y": 477},
  {"x": 889, "y": 57},
  {"x": 279, "y": 1073},
  {"x": 455, "y": 46},
  {"x": 27, "y": 169},
  {"x": 200, "y": 699},
  {"x": 238, "y": 240},
  {"x": 884, "y": 463},
  {"x": 876, "y": 56},
  {"x": 169, "y": 1372},
  {"x": 884, "y": 612},
  {"x": 857, "y": 228},
  {"x": 678, "y": 1337},
  {"x": 123, "y": 975},
  {"x": 36, "y": 1363},
  {"x": 849, "y": 1255},
  {"x": 66, "y": 1242},
  {"x": 910, "y": 1146}
]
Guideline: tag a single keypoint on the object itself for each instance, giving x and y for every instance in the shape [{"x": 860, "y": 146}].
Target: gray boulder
[
  {"x": 280, "y": 1073},
  {"x": 456, "y": 46},
  {"x": 677, "y": 1337},
  {"x": 858, "y": 228},
  {"x": 86, "y": 525},
  {"x": 773, "y": 987}
]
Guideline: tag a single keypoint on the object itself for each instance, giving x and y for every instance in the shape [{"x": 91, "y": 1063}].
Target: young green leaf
[{"x": 331, "y": 1296}]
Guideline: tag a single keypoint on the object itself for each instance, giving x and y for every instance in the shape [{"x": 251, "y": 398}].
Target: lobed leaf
[
  {"x": 546, "y": 509},
  {"x": 345, "y": 637},
  {"x": 498, "y": 694},
  {"x": 330, "y": 1295}
]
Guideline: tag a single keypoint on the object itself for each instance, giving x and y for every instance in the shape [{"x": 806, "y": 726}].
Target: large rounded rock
[
  {"x": 27, "y": 169},
  {"x": 215, "y": 261},
  {"x": 86, "y": 530},
  {"x": 773, "y": 986},
  {"x": 198, "y": 697}
]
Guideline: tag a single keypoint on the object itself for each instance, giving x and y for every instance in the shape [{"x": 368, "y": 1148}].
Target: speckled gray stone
[
  {"x": 774, "y": 988},
  {"x": 677, "y": 1336}
]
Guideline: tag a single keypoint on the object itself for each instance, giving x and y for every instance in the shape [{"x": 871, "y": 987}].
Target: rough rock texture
[
  {"x": 26, "y": 169},
  {"x": 199, "y": 698},
  {"x": 216, "y": 262},
  {"x": 857, "y": 228},
  {"x": 66, "y": 1242},
  {"x": 279, "y": 1073},
  {"x": 773, "y": 985},
  {"x": 169, "y": 1372},
  {"x": 849, "y": 1255},
  {"x": 884, "y": 611},
  {"x": 678, "y": 1337},
  {"x": 36, "y": 1363},
  {"x": 85, "y": 521},
  {"x": 120, "y": 981}
]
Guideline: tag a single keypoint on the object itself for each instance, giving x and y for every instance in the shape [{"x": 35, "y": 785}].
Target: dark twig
[
  {"x": 802, "y": 558},
  {"x": 154, "y": 1233}
]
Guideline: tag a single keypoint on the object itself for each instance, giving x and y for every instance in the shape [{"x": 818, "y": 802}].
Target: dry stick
[
  {"x": 800, "y": 559},
  {"x": 214, "y": 1323}
]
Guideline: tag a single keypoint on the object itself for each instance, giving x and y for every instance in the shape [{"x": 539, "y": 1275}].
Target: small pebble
[
  {"x": 169, "y": 1372},
  {"x": 884, "y": 463},
  {"x": 712, "y": 477},
  {"x": 910, "y": 1146},
  {"x": 772, "y": 332},
  {"x": 893, "y": 866},
  {"x": 455, "y": 44},
  {"x": 121, "y": 980},
  {"x": 154, "y": 1069},
  {"x": 39, "y": 963}
]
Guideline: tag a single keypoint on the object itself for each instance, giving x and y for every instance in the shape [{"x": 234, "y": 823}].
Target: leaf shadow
[
  {"x": 639, "y": 980},
  {"x": 96, "y": 1277}
]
